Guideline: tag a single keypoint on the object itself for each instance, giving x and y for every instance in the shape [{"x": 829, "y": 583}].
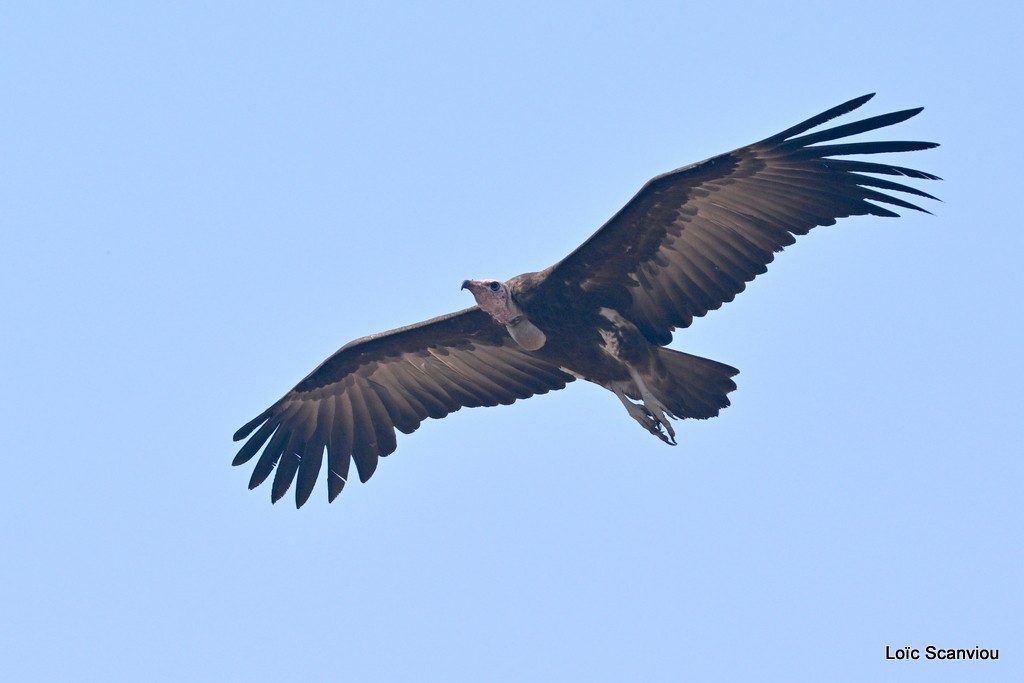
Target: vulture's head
[{"x": 494, "y": 298}]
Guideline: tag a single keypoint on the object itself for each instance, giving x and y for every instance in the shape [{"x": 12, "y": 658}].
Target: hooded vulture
[{"x": 688, "y": 242}]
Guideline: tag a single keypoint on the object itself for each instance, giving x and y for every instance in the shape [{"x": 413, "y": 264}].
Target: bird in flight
[{"x": 688, "y": 242}]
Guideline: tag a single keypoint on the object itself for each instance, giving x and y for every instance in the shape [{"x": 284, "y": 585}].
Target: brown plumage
[{"x": 688, "y": 242}]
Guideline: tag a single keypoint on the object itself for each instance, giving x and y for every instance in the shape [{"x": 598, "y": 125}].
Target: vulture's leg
[
  {"x": 655, "y": 407},
  {"x": 647, "y": 420}
]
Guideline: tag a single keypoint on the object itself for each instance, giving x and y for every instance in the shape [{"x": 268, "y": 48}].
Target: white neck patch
[{"x": 526, "y": 334}]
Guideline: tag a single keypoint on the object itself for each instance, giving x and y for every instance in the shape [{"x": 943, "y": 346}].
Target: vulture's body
[{"x": 688, "y": 242}]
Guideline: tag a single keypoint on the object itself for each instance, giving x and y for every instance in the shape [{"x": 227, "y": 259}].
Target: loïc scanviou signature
[{"x": 943, "y": 653}]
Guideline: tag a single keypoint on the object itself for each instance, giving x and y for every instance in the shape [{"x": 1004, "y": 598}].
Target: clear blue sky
[{"x": 201, "y": 202}]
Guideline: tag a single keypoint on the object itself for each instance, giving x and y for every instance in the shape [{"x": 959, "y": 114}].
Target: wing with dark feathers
[
  {"x": 691, "y": 239},
  {"x": 351, "y": 405}
]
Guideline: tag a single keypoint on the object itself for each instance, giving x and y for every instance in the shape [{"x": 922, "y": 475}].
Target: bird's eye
[{"x": 494, "y": 286}]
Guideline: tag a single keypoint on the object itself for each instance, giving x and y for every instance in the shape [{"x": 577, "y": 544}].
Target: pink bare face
[{"x": 493, "y": 297}]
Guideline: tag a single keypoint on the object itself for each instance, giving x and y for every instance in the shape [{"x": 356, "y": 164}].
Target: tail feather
[{"x": 691, "y": 386}]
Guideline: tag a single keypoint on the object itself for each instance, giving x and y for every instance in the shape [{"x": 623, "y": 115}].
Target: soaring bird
[{"x": 688, "y": 242}]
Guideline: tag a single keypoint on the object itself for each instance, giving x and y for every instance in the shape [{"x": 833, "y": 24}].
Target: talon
[
  {"x": 663, "y": 431},
  {"x": 655, "y": 425},
  {"x": 665, "y": 438}
]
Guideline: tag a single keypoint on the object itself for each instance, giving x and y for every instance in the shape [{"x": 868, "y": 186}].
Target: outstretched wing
[
  {"x": 351, "y": 405},
  {"x": 691, "y": 239}
]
